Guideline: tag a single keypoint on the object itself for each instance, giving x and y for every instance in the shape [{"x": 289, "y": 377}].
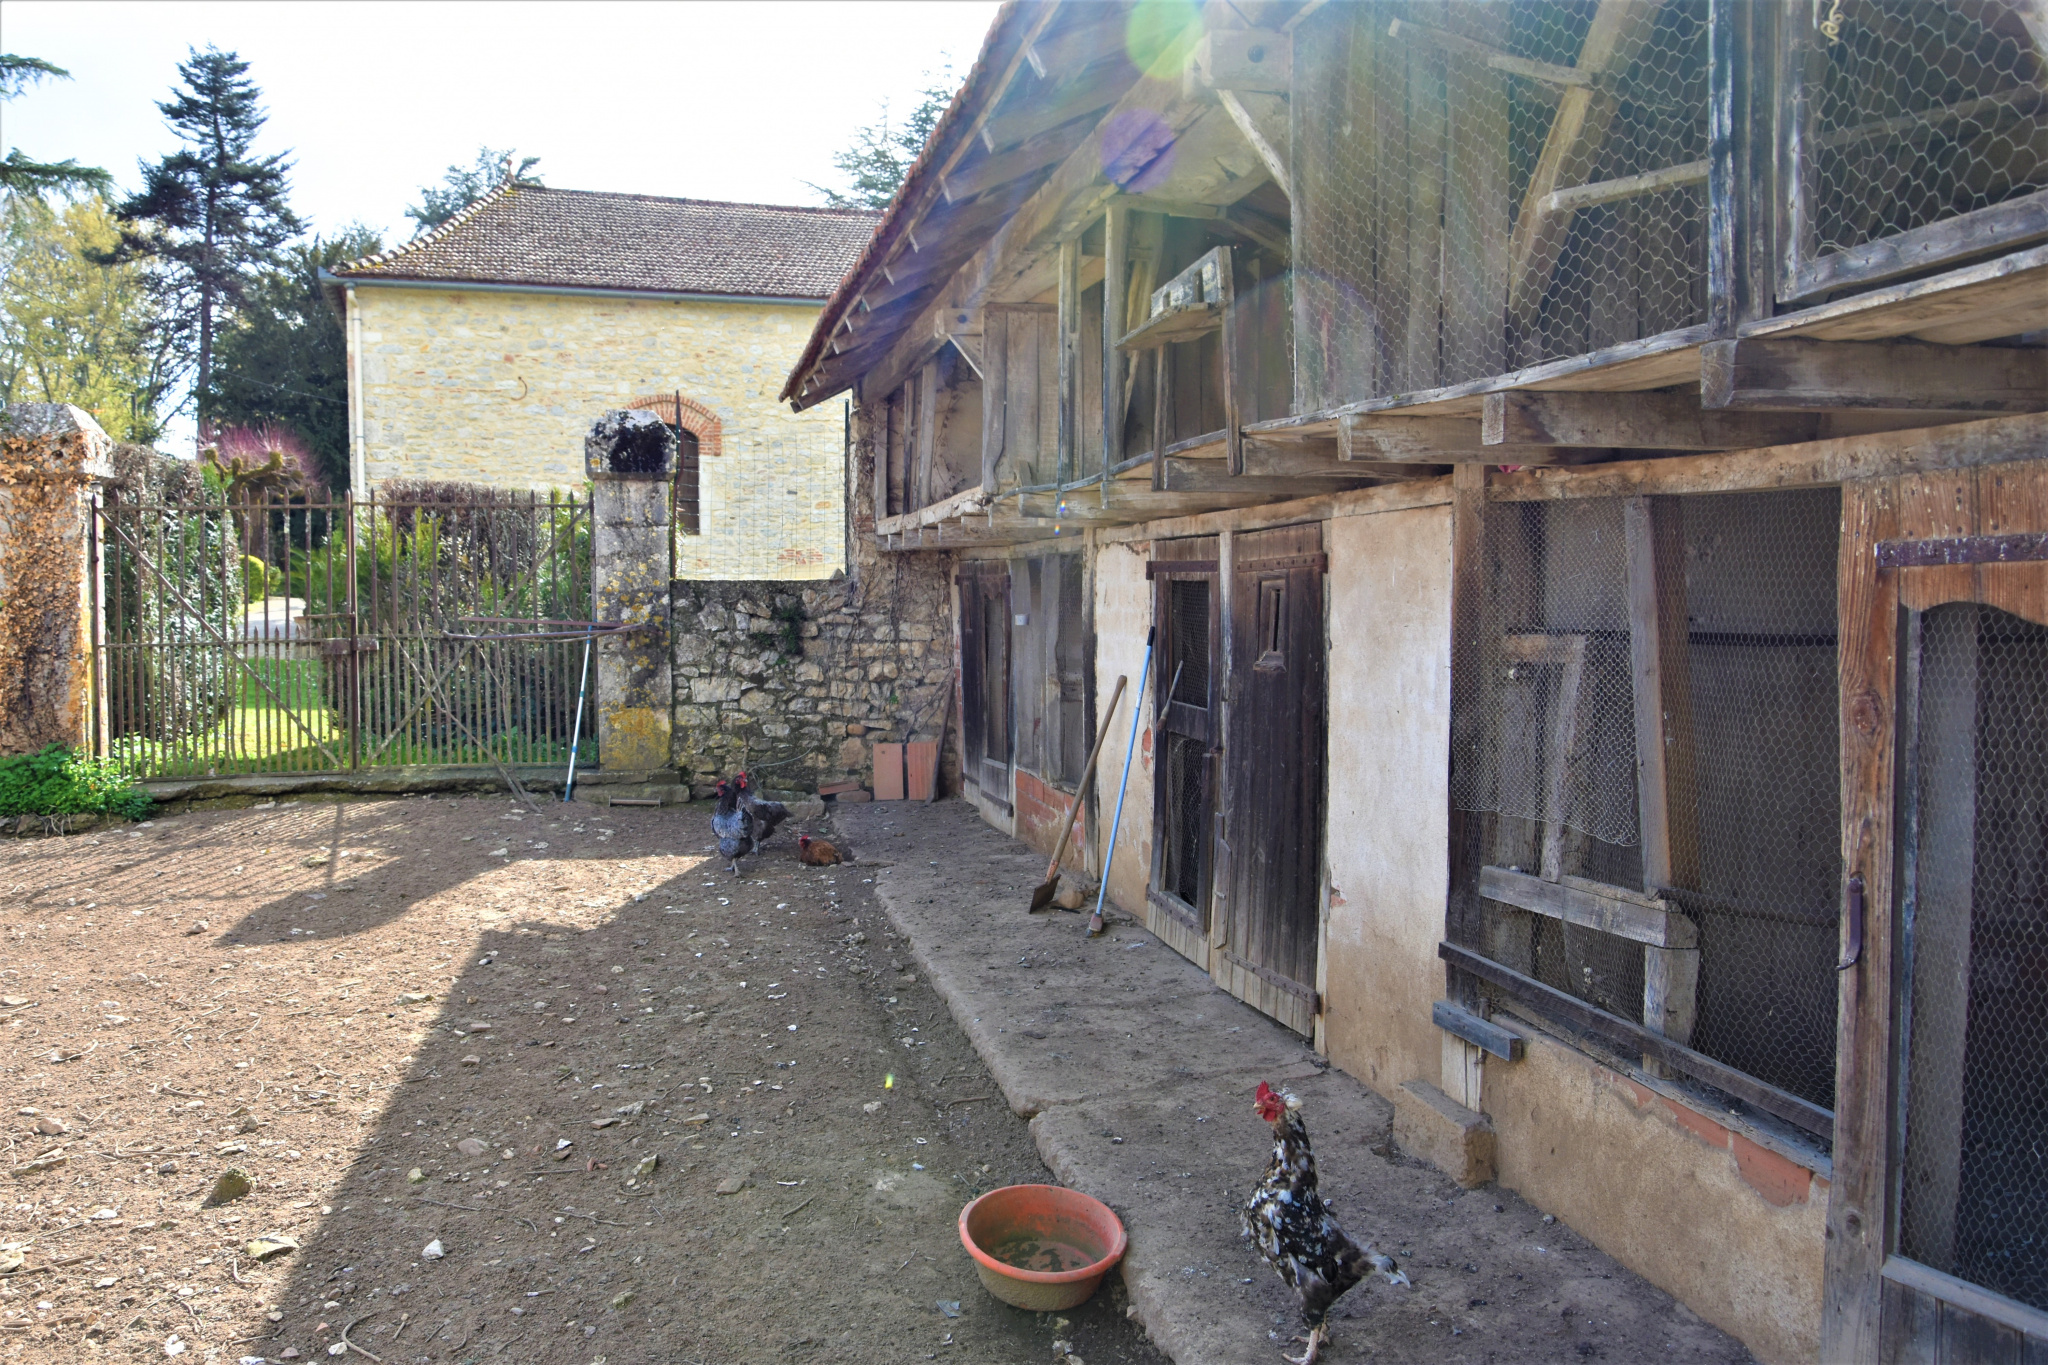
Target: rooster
[
  {"x": 819, "y": 852},
  {"x": 733, "y": 826},
  {"x": 765, "y": 814},
  {"x": 1296, "y": 1232}
]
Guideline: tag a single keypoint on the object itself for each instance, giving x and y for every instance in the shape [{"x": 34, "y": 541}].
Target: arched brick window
[{"x": 698, "y": 433}]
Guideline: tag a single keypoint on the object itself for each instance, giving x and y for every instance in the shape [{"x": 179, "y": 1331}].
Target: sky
[{"x": 737, "y": 101}]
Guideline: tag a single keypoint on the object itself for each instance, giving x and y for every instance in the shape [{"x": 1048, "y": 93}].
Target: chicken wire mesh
[
  {"x": 1912, "y": 112},
  {"x": 1482, "y": 188},
  {"x": 1544, "y": 743},
  {"x": 1973, "y": 918}
]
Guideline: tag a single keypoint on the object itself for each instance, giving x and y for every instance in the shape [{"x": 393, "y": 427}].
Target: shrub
[
  {"x": 59, "y": 782},
  {"x": 259, "y": 580}
]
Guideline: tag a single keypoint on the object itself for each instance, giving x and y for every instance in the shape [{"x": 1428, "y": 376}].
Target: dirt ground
[{"x": 705, "y": 1120}]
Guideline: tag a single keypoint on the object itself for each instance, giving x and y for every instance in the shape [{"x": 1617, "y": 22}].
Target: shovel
[{"x": 1042, "y": 897}]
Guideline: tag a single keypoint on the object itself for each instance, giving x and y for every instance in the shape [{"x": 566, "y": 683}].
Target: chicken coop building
[
  {"x": 1583, "y": 466},
  {"x": 482, "y": 352}
]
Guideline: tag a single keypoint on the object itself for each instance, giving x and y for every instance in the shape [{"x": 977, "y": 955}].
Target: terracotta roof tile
[{"x": 525, "y": 234}]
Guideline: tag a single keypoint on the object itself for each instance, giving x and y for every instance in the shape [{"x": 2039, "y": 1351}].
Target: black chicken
[
  {"x": 1296, "y": 1232},
  {"x": 733, "y": 826},
  {"x": 766, "y": 814}
]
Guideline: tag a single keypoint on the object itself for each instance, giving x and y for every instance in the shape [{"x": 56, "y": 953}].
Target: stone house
[
  {"x": 482, "y": 352},
  {"x": 1580, "y": 468}
]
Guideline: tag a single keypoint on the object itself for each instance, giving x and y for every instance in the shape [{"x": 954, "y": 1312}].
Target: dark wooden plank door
[
  {"x": 1187, "y": 679},
  {"x": 1935, "y": 1251},
  {"x": 1265, "y": 952},
  {"x": 985, "y": 720}
]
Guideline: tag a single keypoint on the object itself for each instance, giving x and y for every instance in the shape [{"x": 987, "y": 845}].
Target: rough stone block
[{"x": 1432, "y": 1126}]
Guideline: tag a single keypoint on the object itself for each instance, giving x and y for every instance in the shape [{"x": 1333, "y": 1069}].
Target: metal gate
[{"x": 272, "y": 632}]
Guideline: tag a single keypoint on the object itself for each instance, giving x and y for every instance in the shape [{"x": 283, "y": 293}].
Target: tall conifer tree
[{"x": 212, "y": 213}]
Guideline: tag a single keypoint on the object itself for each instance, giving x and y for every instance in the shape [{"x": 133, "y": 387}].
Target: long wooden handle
[{"x": 1087, "y": 771}]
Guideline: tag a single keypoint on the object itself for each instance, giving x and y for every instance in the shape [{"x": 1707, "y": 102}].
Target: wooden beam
[
  {"x": 939, "y": 234},
  {"x": 1441, "y": 440},
  {"x": 1116, "y": 254},
  {"x": 1624, "y": 187},
  {"x": 1640, "y": 421},
  {"x": 1318, "y": 460},
  {"x": 1214, "y": 476},
  {"x": 1069, "y": 353},
  {"x": 1246, "y": 59},
  {"x": 1563, "y": 77},
  {"x": 1584, "y": 113},
  {"x": 1004, "y": 168},
  {"x": 1093, "y": 91},
  {"x": 1791, "y": 373},
  {"x": 1263, "y": 121},
  {"x": 1055, "y": 56},
  {"x": 1592, "y": 905},
  {"x": 1817, "y": 464},
  {"x": 1660, "y": 658}
]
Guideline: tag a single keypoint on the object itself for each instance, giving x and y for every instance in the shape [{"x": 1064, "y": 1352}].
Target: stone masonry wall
[
  {"x": 499, "y": 388},
  {"x": 797, "y": 682}
]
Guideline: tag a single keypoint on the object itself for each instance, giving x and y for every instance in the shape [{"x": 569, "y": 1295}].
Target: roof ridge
[
  {"x": 435, "y": 234},
  {"x": 711, "y": 203}
]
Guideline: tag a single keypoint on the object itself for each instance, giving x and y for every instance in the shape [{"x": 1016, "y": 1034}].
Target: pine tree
[
  {"x": 464, "y": 185},
  {"x": 211, "y": 213},
  {"x": 881, "y": 154},
  {"x": 23, "y": 174}
]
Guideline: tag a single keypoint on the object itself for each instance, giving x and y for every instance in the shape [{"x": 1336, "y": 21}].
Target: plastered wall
[
  {"x": 1389, "y": 766},
  {"x": 499, "y": 388},
  {"x": 1123, "y": 613}
]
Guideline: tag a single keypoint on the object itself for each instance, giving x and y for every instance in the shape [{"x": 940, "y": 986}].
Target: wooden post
[
  {"x": 995, "y": 392},
  {"x": 1069, "y": 330},
  {"x": 1666, "y": 786},
  {"x": 1233, "y": 425},
  {"x": 1116, "y": 234},
  {"x": 1464, "y": 920}
]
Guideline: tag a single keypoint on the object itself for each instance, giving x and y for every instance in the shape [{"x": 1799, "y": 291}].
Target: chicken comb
[{"x": 1264, "y": 1093}]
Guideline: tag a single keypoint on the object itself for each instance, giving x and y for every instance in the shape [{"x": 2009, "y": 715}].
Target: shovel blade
[{"x": 1042, "y": 897}]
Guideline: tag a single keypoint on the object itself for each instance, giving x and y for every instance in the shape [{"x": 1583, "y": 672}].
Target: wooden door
[
  {"x": 1265, "y": 936},
  {"x": 1186, "y": 694},
  {"x": 1936, "y": 1245},
  {"x": 984, "y": 587}
]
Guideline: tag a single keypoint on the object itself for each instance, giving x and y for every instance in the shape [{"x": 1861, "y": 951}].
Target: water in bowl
[{"x": 1036, "y": 1253}]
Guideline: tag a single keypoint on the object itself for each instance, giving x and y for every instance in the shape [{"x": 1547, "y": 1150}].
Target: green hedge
[{"x": 58, "y": 782}]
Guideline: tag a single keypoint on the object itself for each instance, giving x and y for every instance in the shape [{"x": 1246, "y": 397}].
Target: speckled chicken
[
  {"x": 733, "y": 826},
  {"x": 1296, "y": 1232}
]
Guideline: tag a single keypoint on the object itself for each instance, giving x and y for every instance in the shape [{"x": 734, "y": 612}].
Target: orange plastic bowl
[{"x": 1041, "y": 1247}]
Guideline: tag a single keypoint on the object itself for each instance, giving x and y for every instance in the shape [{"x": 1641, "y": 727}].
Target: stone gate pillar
[
  {"x": 630, "y": 457},
  {"x": 52, "y": 457}
]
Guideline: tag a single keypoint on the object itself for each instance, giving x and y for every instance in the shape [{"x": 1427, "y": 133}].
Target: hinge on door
[{"x": 2026, "y": 547}]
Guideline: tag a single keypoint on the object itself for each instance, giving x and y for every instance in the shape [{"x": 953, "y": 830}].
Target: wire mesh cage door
[
  {"x": 1936, "y": 1249},
  {"x": 1186, "y": 605},
  {"x": 1913, "y": 131}
]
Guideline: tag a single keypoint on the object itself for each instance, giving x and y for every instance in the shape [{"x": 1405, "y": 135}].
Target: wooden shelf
[{"x": 1180, "y": 324}]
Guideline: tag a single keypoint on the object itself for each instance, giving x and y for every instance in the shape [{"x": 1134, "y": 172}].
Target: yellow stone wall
[{"x": 498, "y": 387}]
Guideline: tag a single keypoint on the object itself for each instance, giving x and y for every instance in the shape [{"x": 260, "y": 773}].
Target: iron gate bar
[
  {"x": 2026, "y": 547},
  {"x": 456, "y": 716},
  {"x": 1802, "y": 1113},
  {"x": 226, "y": 648}
]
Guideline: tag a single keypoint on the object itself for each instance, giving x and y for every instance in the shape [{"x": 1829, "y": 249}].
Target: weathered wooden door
[
  {"x": 1187, "y": 681},
  {"x": 1264, "y": 933},
  {"x": 984, "y": 587},
  {"x": 1938, "y": 1218}
]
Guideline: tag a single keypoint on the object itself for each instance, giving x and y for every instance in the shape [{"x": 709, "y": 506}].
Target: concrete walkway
[{"x": 1137, "y": 1074}]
